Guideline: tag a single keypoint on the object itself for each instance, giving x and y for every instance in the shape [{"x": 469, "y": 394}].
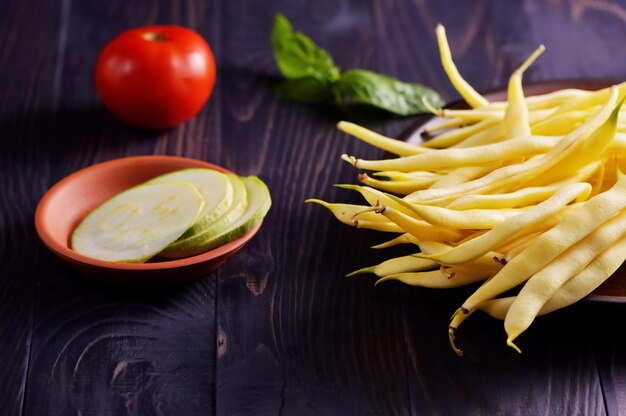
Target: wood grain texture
[
  {"x": 101, "y": 351},
  {"x": 563, "y": 373},
  {"x": 278, "y": 329},
  {"x": 297, "y": 337},
  {"x": 92, "y": 350},
  {"x": 23, "y": 176}
]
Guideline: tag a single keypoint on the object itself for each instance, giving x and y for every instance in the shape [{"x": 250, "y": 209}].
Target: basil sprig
[{"x": 312, "y": 76}]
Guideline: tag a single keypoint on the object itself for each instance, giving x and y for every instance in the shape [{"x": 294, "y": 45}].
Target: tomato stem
[{"x": 155, "y": 36}]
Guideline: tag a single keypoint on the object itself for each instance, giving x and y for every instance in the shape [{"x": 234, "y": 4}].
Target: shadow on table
[
  {"x": 238, "y": 81},
  {"x": 67, "y": 130}
]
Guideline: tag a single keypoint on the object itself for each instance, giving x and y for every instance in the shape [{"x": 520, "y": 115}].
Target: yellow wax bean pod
[
  {"x": 491, "y": 261},
  {"x": 452, "y": 137},
  {"x": 421, "y": 230},
  {"x": 546, "y": 282},
  {"x": 560, "y": 124},
  {"x": 346, "y": 212},
  {"x": 512, "y": 246},
  {"x": 587, "y": 280},
  {"x": 584, "y": 174},
  {"x": 462, "y": 175},
  {"x": 521, "y": 244},
  {"x": 446, "y": 125},
  {"x": 473, "y": 235},
  {"x": 368, "y": 220},
  {"x": 507, "y": 230},
  {"x": 619, "y": 173},
  {"x": 458, "y": 317},
  {"x": 598, "y": 142},
  {"x": 576, "y": 288},
  {"x": 468, "y": 116},
  {"x": 516, "y": 122},
  {"x": 618, "y": 144},
  {"x": 564, "y": 148},
  {"x": 405, "y": 238},
  {"x": 589, "y": 151},
  {"x": 493, "y": 134},
  {"x": 520, "y": 198},
  {"x": 407, "y": 176},
  {"x": 543, "y": 101},
  {"x": 523, "y": 171},
  {"x": 376, "y": 197},
  {"x": 554, "y": 98},
  {"x": 454, "y": 158},
  {"x": 497, "y": 308},
  {"x": 439, "y": 279},
  {"x": 394, "y": 146},
  {"x": 471, "y": 219},
  {"x": 469, "y": 94},
  {"x": 597, "y": 184},
  {"x": 409, "y": 263},
  {"x": 524, "y": 236},
  {"x": 595, "y": 98},
  {"x": 579, "y": 222},
  {"x": 524, "y": 196},
  {"x": 496, "y": 133},
  {"x": 403, "y": 187},
  {"x": 386, "y": 227},
  {"x": 610, "y": 172}
]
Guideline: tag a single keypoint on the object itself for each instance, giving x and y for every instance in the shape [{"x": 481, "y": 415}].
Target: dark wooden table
[{"x": 277, "y": 329}]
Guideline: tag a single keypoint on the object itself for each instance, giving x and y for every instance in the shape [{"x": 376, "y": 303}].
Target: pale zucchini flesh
[
  {"x": 259, "y": 202},
  {"x": 138, "y": 223},
  {"x": 234, "y": 211},
  {"x": 216, "y": 189}
]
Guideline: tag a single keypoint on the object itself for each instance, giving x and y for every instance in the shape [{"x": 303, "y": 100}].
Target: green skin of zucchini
[
  {"x": 259, "y": 203},
  {"x": 235, "y": 211}
]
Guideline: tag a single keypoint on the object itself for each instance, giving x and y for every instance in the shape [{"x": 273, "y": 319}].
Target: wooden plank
[
  {"x": 296, "y": 337},
  {"x": 602, "y": 326},
  {"x": 555, "y": 374},
  {"x": 100, "y": 350},
  {"x": 27, "y": 65},
  {"x": 288, "y": 334}
]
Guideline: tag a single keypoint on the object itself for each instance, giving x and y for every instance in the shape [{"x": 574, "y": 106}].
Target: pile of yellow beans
[{"x": 527, "y": 193}]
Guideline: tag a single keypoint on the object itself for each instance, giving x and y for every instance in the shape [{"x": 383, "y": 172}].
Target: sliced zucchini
[
  {"x": 236, "y": 210},
  {"x": 259, "y": 202},
  {"x": 138, "y": 223},
  {"x": 215, "y": 188}
]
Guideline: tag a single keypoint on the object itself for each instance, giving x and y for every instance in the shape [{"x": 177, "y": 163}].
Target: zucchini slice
[
  {"x": 138, "y": 223},
  {"x": 234, "y": 211},
  {"x": 215, "y": 188},
  {"x": 259, "y": 202}
]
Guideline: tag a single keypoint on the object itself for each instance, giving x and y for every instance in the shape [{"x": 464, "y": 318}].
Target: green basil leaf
[
  {"x": 308, "y": 90},
  {"x": 297, "y": 56},
  {"x": 382, "y": 91}
]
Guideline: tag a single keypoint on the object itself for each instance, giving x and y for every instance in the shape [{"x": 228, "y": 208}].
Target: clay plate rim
[{"x": 65, "y": 252}]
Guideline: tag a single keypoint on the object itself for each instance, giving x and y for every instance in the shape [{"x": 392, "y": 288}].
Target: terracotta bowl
[{"x": 68, "y": 201}]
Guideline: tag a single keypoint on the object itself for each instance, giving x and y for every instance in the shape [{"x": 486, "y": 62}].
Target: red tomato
[{"x": 155, "y": 77}]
